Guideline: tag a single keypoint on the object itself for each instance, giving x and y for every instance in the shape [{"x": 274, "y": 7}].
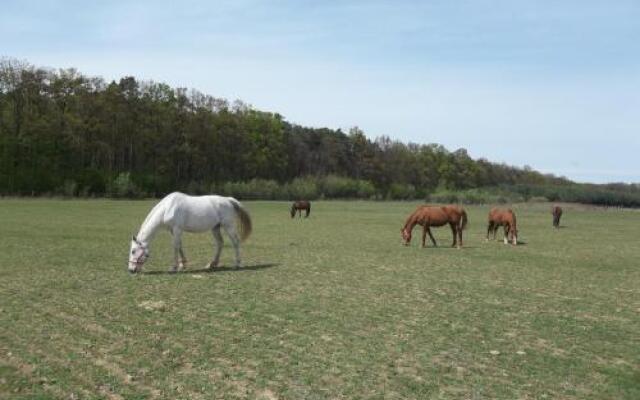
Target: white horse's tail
[{"x": 243, "y": 216}]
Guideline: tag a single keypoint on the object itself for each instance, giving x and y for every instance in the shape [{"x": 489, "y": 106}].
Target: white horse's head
[{"x": 138, "y": 254}]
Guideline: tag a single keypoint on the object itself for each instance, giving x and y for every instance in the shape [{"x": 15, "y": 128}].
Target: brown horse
[
  {"x": 429, "y": 216},
  {"x": 556, "y": 211},
  {"x": 299, "y": 206},
  {"x": 507, "y": 218}
]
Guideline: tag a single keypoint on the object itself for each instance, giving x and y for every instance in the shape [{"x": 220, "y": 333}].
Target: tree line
[{"x": 62, "y": 132}]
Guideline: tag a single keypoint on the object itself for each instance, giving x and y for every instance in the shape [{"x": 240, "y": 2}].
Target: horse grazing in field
[
  {"x": 429, "y": 216},
  {"x": 300, "y": 205},
  {"x": 556, "y": 211},
  {"x": 507, "y": 218},
  {"x": 179, "y": 213}
]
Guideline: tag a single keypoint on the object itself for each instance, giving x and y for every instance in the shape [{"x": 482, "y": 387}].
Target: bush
[
  {"x": 538, "y": 199},
  {"x": 85, "y": 191},
  {"x": 475, "y": 196},
  {"x": 266, "y": 189},
  {"x": 399, "y": 191},
  {"x": 92, "y": 182},
  {"x": 255, "y": 189},
  {"x": 308, "y": 188},
  {"x": 234, "y": 189},
  {"x": 338, "y": 187},
  {"x": 445, "y": 197},
  {"x": 366, "y": 190},
  {"x": 197, "y": 188},
  {"x": 124, "y": 187},
  {"x": 69, "y": 188},
  {"x": 302, "y": 188}
]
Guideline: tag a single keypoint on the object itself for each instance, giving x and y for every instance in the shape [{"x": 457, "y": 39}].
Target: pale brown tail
[{"x": 244, "y": 218}]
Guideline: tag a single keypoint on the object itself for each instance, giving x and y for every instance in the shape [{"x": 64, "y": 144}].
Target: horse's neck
[
  {"x": 152, "y": 223},
  {"x": 411, "y": 222}
]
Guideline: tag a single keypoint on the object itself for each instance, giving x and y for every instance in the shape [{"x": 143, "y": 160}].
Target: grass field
[{"x": 327, "y": 308}]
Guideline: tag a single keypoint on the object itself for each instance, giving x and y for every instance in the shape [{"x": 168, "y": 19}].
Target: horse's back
[
  {"x": 501, "y": 215},
  {"x": 454, "y": 211},
  {"x": 433, "y": 215},
  {"x": 499, "y": 211},
  {"x": 210, "y": 200},
  {"x": 197, "y": 213}
]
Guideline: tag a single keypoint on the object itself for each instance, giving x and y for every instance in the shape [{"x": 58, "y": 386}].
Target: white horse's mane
[{"x": 152, "y": 214}]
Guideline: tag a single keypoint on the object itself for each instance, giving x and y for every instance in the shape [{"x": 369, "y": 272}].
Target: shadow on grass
[
  {"x": 520, "y": 243},
  {"x": 445, "y": 247},
  {"x": 255, "y": 267},
  {"x": 449, "y": 247}
]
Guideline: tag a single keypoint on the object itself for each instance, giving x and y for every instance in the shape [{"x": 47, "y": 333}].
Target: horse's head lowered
[
  {"x": 406, "y": 236},
  {"x": 138, "y": 254}
]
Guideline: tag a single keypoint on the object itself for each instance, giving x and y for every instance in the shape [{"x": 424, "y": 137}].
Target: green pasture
[{"x": 330, "y": 307}]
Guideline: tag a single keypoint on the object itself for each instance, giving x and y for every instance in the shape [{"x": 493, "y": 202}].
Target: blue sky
[{"x": 550, "y": 84}]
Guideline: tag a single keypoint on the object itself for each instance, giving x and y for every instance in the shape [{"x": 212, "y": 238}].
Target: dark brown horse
[
  {"x": 556, "y": 211},
  {"x": 299, "y": 206},
  {"x": 507, "y": 218},
  {"x": 429, "y": 216}
]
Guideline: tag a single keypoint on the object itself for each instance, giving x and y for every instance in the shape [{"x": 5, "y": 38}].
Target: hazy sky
[{"x": 550, "y": 84}]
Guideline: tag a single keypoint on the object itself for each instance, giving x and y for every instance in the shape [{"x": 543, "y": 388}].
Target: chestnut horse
[
  {"x": 299, "y": 206},
  {"x": 556, "y": 211},
  {"x": 507, "y": 218},
  {"x": 429, "y": 216}
]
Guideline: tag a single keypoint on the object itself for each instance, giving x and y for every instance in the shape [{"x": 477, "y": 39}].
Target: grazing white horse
[{"x": 179, "y": 213}]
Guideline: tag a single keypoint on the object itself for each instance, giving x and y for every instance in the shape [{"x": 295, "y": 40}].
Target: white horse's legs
[
  {"x": 178, "y": 254},
  {"x": 217, "y": 236},
  {"x": 235, "y": 240}
]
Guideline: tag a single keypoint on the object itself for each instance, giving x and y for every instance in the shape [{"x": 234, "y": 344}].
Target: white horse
[{"x": 179, "y": 213}]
